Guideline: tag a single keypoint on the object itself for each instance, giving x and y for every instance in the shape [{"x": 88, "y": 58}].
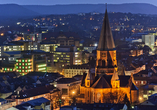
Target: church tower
[
  {"x": 106, "y": 53},
  {"x": 115, "y": 82},
  {"x": 88, "y": 79}
]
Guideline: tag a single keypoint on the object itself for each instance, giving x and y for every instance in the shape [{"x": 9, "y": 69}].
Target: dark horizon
[{"x": 59, "y": 2}]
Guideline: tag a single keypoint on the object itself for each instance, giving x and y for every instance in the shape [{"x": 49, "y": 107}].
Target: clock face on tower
[{"x": 103, "y": 54}]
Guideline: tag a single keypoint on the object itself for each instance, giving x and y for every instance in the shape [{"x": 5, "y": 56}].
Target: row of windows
[
  {"x": 2, "y": 58},
  {"x": 76, "y": 70},
  {"x": 140, "y": 82},
  {"x": 75, "y": 73},
  {"x": 71, "y": 75},
  {"x": 61, "y": 55}
]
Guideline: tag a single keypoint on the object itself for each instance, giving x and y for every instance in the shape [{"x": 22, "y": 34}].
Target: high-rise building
[
  {"x": 149, "y": 40},
  {"x": 33, "y": 61},
  {"x": 68, "y": 55},
  {"x": 63, "y": 38},
  {"x": 48, "y": 46},
  {"x": 24, "y": 65}
]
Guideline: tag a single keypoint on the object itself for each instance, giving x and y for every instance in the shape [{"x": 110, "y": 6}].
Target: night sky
[{"x": 53, "y": 2}]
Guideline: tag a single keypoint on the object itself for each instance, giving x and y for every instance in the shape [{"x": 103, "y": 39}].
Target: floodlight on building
[{"x": 95, "y": 44}]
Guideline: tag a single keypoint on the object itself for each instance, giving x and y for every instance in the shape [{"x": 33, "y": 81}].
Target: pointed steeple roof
[
  {"x": 106, "y": 41},
  {"x": 101, "y": 83},
  {"x": 89, "y": 76},
  {"x": 83, "y": 79},
  {"x": 133, "y": 87},
  {"x": 115, "y": 76}
]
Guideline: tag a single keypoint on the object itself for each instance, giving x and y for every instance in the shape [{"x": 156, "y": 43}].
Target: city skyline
[{"x": 52, "y": 2}]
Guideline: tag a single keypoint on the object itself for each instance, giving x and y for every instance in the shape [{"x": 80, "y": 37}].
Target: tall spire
[
  {"x": 89, "y": 76},
  {"x": 106, "y": 41}
]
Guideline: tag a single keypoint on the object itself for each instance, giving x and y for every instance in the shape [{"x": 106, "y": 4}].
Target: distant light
[
  {"x": 55, "y": 85},
  {"x": 140, "y": 98},
  {"x": 18, "y": 23},
  {"x": 2, "y": 34},
  {"x": 95, "y": 44}
]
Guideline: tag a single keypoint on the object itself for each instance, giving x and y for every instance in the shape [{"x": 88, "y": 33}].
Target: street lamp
[
  {"x": 140, "y": 99},
  {"x": 73, "y": 92}
]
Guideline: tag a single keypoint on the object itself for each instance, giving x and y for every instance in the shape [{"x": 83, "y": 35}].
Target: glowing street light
[
  {"x": 95, "y": 44},
  {"x": 140, "y": 98},
  {"x": 2, "y": 34}
]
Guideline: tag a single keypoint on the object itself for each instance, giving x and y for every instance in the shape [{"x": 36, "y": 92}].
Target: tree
[
  {"x": 114, "y": 97},
  {"x": 73, "y": 101},
  {"x": 126, "y": 101}
]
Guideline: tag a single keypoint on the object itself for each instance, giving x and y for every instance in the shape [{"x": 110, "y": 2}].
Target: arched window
[
  {"x": 103, "y": 63},
  {"x": 98, "y": 97},
  {"x": 110, "y": 63},
  {"x": 99, "y": 62}
]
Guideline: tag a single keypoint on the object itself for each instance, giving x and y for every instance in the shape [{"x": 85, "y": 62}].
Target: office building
[
  {"x": 73, "y": 70},
  {"x": 67, "y": 55},
  {"x": 62, "y": 38},
  {"x": 149, "y": 40},
  {"x": 33, "y": 61},
  {"x": 48, "y": 46}
]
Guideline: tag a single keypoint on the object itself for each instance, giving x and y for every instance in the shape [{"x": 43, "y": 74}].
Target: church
[{"x": 106, "y": 86}]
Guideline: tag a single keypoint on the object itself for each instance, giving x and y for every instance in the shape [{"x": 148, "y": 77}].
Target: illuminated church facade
[{"x": 105, "y": 86}]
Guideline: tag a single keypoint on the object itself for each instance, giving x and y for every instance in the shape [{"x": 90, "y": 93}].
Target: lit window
[
  {"x": 141, "y": 82},
  {"x": 31, "y": 98}
]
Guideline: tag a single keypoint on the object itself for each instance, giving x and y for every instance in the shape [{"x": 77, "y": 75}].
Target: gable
[
  {"x": 38, "y": 82},
  {"x": 147, "y": 103},
  {"x": 19, "y": 89}
]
